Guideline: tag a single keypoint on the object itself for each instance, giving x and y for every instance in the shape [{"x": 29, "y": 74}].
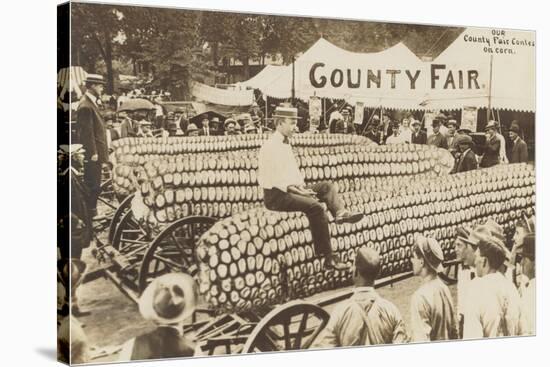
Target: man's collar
[
  {"x": 92, "y": 97},
  {"x": 363, "y": 289},
  {"x": 516, "y": 139}
]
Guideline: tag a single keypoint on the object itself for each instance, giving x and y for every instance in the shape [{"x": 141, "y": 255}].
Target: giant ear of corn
[
  {"x": 131, "y": 153},
  {"x": 260, "y": 257},
  {"x": 222, "y": 184}
]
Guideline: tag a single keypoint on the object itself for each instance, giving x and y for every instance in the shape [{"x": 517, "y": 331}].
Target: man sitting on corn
[{"x": 285, "y": 190}]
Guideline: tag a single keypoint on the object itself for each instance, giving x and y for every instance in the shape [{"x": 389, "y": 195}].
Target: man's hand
[{"x": 94, "y": 158}]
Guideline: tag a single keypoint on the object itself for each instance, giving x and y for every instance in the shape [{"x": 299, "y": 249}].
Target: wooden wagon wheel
[
  {"x": 129, "y": 234},
  {"x": 291, "y": 326},
  {"x": 173, "y": 250},
  {"x": 450, "y": 275},
  {"x": 123, "y": 208}
]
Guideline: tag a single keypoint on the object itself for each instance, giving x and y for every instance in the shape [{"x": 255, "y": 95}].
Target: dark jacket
[
  {"x": 163, "y": 342},
  {"x": 519, "y": 152},
  {"x": 92, "y": 130},
  {"x": 466, "y": 162},
  {"x": 341, "y": 128},
  {"x": 210, "y": 130},
  {"x": 375, "y": 137},
  {"x": 129, "y": 129},
  {"x": 419, "y": 138},
  {"x": 491, "y": 152},
  {"x": 438, "y": 140}
]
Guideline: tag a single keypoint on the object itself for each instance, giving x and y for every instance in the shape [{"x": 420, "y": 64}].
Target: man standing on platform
[
  {"x": 519, "y": 148},
  {"x": 437, "y": 138},
  {"x": 93, "y": 138},
  {"x": 285, "y": 190},
  {"x": 467, "y": 160},
  {"x": 491, "y": 150},
  {"x": 418, "y": 136}
]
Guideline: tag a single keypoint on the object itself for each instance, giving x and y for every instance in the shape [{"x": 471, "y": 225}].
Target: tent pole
[
  {"x": 293, "y": 91},
  {"x": 489, "y": 112}
]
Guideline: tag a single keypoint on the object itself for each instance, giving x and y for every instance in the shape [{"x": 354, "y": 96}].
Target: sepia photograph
[{"x": 241, "y": 183}]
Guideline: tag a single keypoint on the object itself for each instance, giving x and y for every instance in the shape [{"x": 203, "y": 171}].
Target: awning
[
  {"x": 227, "y": 97},
  {"x": 71, "y": 79}
]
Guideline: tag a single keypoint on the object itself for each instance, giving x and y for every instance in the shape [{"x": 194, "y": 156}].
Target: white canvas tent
[
  {"x": 204, "y": 93},
  {"x": 264, "y": 78},
  {"x": 508, "y": 80},
  {"x": 323, "y": 58}
]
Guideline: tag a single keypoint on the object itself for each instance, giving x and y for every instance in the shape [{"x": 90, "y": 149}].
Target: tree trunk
[
  {"x": 246, "y": 68},
  {"x": 109, "y": 62},
  {"x": 215, "y": 51}
]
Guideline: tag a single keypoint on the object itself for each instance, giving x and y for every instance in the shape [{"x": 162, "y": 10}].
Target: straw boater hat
[
  {"x": 169, "y": 299},
  {"x": 192, "y": 127},
  {"x": 415, "y": 122},
  {"x": 491, "y": 125},
  {"x": 286, "y": 112},
  {"x": 229, "y": 121},
  {"x": 452, "y": 122},
  {"x": 95, "y": 79},
  {"x": 431, "y": 252}
]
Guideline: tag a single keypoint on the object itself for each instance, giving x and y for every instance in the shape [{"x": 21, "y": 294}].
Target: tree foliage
[{"x": 175, "y": 47}]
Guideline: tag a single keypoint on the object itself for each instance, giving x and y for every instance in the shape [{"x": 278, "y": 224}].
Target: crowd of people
[{"x": 496, "y": 287}]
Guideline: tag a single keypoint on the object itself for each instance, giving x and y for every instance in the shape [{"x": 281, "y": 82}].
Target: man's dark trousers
[{"x": 277, "y": 200}]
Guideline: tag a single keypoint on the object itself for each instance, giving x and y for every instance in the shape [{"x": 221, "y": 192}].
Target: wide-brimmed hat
[
  {"x": 192, "y": 127},
  {"x": 492, "y": 125},
  {"x": 495, "y": 229},
  {"x": 286, "y": 112},
  {"x": 452, "y": 122},
  {"x": 229, "y": 121},
  {"x": 95, "y": 79},
  {"x": 431, "y": 252},
  {"x": 169, "y": 299}
]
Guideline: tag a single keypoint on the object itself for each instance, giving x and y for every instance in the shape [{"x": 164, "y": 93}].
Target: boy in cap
[
  {"x": 396, "y": 137},
  {"x": 365, "y": 318},
  {"x": 437, "y": 138},
  {"x": 494, "y": 304},
  {"x": 417, "y": 136},
  {"x": 491, "y": 150},
  {"x": 466, "y": 160},
  {"x": 168, "y": 301},
  {"x": 528, "y": 300},
  {"x": 284, "y": 187},
  {"x": 432, "y": 312},
  {"x": 519, "y": 147}
]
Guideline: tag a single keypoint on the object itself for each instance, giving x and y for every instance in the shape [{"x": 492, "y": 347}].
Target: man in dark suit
[
  {"x": 205, "y": 129},
  {"x": 467, "y": 159},
  {"x": 374, "y": 134},
  {"x": 491, "y": 150},
  {"x": 437, "y": 138},
  {"x": 418, "y": 136},
  {"x": 519, "y": 147},
  {"x": 93, "y": 138}
]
